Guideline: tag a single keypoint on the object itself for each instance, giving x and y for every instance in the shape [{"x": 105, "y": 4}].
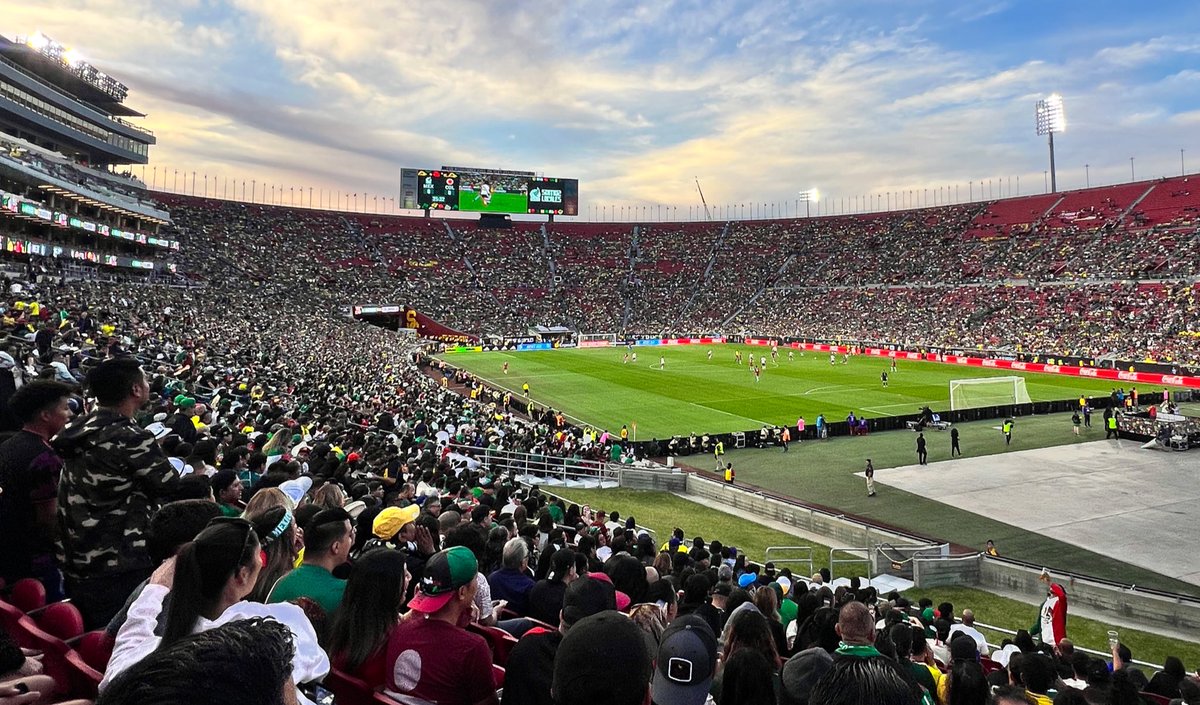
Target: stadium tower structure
[{"x": 63, "y": 138}]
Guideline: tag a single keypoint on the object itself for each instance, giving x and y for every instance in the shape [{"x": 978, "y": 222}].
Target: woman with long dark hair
[
  {"x": 277, "y": 528},
  {"x": 208, "y": 579},
  {"x": 967, "y": 684},
  {"x": 370, "y": 609}
]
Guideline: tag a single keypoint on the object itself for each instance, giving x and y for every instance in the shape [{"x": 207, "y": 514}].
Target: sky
[{"x": 757, "y": 101}]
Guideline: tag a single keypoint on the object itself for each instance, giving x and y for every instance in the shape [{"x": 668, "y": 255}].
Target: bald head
[
  {"x": 855, "y": 625},
  {"x": 968, "y": 618}
]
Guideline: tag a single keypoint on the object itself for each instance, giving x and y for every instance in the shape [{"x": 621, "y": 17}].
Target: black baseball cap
[
  {"x": 687, "y": 661},
  {"x": 585, "y": 597}
]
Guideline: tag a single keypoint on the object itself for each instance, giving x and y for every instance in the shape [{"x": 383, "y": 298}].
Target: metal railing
[
  {"x": 805, "y": 557},
  {"x": 541, "y": 465}
]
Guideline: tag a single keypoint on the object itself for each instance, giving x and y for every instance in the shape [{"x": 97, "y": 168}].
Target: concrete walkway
[{"x": 1111, "y": 497}]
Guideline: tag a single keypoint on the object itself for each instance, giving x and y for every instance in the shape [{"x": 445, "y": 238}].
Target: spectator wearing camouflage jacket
[{"x": 114, "y": 478}]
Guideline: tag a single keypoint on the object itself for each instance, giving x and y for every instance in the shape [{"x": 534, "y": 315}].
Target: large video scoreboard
[{"x": 488, "y": 191}]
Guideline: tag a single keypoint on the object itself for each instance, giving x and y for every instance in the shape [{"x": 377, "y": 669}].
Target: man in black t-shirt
[{"x": 29, "y": 471}]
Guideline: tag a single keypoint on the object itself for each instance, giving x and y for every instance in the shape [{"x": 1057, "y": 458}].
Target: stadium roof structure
[{"x": 59, "y": 74}]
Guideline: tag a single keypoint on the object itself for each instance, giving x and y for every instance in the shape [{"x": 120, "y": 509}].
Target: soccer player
[
  {"x": 762, "y": 360},
  {"x": 833, "y": 358},
  {"x": 757, "y": 375},
  {"x": 506, "y": 367},
  {"x": 625, "y": 359},
  {"x": 893, "y": 364},
  {"x": 485, "y": 193},
  {"x": 883, "y": 377},
  {"x": 710, "y": 354},
  {"x": 845, "y": 358},
  {"x": 662, "y": 363},
  {"x": 791, "y": 355},
  {"x": 737, "y": 356},
  {"x": 634, "y": 358}
]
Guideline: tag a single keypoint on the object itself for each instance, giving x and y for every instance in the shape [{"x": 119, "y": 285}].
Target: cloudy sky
[{"x": 636, "y": 99}]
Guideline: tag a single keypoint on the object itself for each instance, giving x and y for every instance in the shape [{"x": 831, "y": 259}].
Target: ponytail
[
  {"x": 187, "y": 602},
  {"x": 202, "y": 570}
]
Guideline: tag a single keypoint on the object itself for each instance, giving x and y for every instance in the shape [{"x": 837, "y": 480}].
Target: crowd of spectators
[
  {"x": 925, "y": 277},
  {"x": 190, "y": 462}
]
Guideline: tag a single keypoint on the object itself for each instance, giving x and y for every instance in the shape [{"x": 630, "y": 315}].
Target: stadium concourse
[{"x": 233, "y": 389}]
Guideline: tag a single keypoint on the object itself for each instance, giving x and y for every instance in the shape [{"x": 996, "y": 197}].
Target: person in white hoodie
[{"x": 206, "y": 584}]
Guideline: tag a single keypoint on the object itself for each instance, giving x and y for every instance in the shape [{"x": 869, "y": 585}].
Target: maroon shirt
[{"x": 432, "y": 661}]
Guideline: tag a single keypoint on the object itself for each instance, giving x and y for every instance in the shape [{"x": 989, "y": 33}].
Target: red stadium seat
[
  {"x": 28, "y": 594},
  {"x": 498, "y": 676},
  {"x": 84, "y": 680},
  {"x": 500, "y": 642},
  {"x": 348, "y": 689},
  {"x": 1156, "y": 699},
  {"x": 61, "y": 619},
  {"x": 988, "y": 665},
  {"x": 95, "y": 648},
  {"x": 10, "y": 616}
]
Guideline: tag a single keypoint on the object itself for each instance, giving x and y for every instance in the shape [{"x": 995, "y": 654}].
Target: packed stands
[{"x": 261, "y": 401}]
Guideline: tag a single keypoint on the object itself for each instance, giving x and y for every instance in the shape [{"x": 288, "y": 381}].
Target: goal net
[
  {"x": 987, "y": 391},
  {"x": 597, "y": 340}
]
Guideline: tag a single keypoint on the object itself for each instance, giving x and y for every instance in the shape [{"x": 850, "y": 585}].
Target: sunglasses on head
[{"x": 249, "y": 529}]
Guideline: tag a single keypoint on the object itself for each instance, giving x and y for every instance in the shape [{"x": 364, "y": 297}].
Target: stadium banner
[
  {"x": 535, "y": 346},
  {"x": 680, "y": 341},
  {"x": 41, "y": 248},
  {"x": 463, "y": 348},
  {"x": 1016, "y": 365},
  {"x": 426, "y": 327},
  {"x": 595, "y": 343}
]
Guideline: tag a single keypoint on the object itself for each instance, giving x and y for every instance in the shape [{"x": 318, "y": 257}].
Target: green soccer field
[
  {"x": 694, "y": 394},
  {"x": 500, "y": 203}
]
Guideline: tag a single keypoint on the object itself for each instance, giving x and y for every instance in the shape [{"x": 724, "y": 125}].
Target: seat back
[
  {"x": 61, "y": 619},
  {"x": 499, "y": 641},
  {"x": 348, "y": 689},
  {"x": 95, "y": 648},
  {"x": 85, "y": 680},
  {"x": 28, "y": 594}
]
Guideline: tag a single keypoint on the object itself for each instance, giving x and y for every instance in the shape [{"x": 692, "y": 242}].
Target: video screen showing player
[{"x": 493, "y": 193}]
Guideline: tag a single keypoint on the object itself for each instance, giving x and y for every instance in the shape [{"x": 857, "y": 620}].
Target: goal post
[
  {"x": 987, "y": 391},
  {"x": 597, "y": 340}
]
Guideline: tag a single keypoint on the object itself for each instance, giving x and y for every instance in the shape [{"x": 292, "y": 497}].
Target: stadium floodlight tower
[
  {"x": 808, "y": 197},
  {"x": 1051, "y": 119}
]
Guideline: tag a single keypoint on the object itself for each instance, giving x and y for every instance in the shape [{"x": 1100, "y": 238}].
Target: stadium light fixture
[
  {"x": 808, "y": 197},
  {"x": 1050, "y": 118},
  {"x": 38, "y": 41}
]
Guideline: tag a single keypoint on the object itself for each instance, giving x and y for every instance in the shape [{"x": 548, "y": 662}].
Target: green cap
[{"x": 445, "y": 572}]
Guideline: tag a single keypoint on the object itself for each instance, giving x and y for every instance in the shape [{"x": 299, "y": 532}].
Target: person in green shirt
[
  {"x": 328, "y": 538},
  {"x": 787, "y": 607},
  {"x": 227, "y": 489}
]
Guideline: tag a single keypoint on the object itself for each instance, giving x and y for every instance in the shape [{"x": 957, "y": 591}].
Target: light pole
[
  {"x": 808, "y": 197},
  {"x": 1087, "y": 175},
  {"x": 1050, "y": 118},
  {"x": 1131, "y": 175}
]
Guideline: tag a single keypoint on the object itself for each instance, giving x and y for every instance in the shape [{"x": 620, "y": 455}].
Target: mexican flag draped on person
[{"x": 1051, "y": 626}]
